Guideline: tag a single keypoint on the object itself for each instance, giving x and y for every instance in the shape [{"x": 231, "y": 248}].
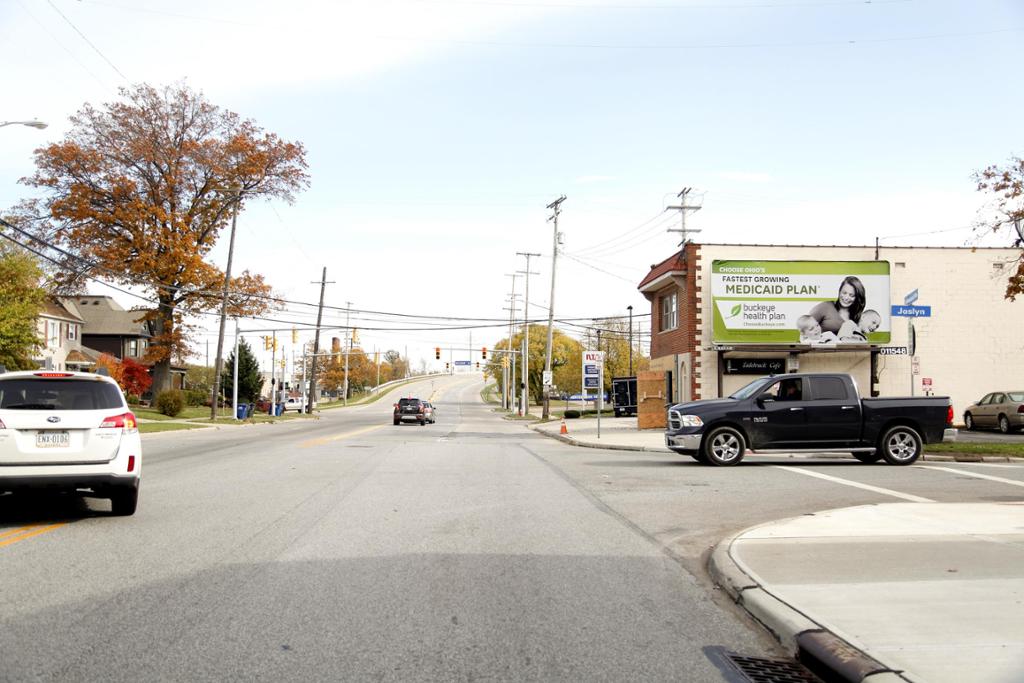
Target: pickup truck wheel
[
  {"x": 868, "y": 458},
  {"x": 901, "y": 446},
  {"x": 723, "y": 447},
  {"x": 968, "y": 421}
]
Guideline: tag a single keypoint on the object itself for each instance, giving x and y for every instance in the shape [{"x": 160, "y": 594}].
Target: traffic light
[
  {"x": 446, "y": 366},
  {"x": 267, "y": 343},
  {"x": 282, "y": 363},
  {"x": 355, "y": 336},
  {"x": 437, "y": 353},
  {"x": 274, "y": 343},
  {"x": 478, "y": 365},
  {"x": 483, "y": 353},
  {"x": 295, "y": 336}
]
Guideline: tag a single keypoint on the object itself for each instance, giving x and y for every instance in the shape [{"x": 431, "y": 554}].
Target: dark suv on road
[{"x": 411, "y": 410}]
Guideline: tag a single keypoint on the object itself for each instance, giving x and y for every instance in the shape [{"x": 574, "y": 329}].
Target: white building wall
[{"x": 972, "y": 344}]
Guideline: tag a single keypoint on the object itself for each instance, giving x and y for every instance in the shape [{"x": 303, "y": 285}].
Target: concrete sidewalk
[
  {"x": 881, "y": 593},
  {"x": 899, "y": 591}
]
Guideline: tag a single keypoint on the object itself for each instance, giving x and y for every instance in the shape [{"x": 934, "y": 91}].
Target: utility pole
[
  {"x": 555, "y": 207},
  {"x": 525, "y": 400},
  {"x": 316, "y": 344},
  {"x": 507, "y": 398},
  {"x": 683, "y": 207},
  {"x": 219, "y": 367},
  {"x": 348, "y": 333}
]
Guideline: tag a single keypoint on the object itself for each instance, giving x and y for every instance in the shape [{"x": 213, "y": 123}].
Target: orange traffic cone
[{"x": 563, "y": 430}]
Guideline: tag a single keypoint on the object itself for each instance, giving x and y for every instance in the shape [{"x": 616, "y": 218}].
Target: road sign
[
  {"x": 893, "y": 351},
  {"x": 926, "y": 381},
  {"x": 910, "y": 298},
  {"x": 547, "y": 377},
  {"x": 911, "y": 311},
  {"x": 591, "y": 382},
  {"x": 463, "y": 362}
]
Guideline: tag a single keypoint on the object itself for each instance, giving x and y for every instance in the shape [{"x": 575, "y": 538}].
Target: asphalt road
[{"x": 352, "y": 549}]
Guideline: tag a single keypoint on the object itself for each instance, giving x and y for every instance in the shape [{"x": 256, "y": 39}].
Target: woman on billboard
[{"x": 848, "y": 306}]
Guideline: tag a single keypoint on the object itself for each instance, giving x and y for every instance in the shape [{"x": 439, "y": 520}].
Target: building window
[
  {"x": 54, "y": 335},
  {"x": 133, "y": 348},
  {"x": 72, "y": 332},
  {"x": 669, "y": 314}
]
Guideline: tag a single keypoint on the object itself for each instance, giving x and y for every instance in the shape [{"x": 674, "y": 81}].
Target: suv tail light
[
  {"x": 949, "y": 415},
  {"x": 125, "y": 421},
  {"x": 53, "y": 374},
  {"x": 1020, "y": 409},
  {"x": 422, "y": 409}
]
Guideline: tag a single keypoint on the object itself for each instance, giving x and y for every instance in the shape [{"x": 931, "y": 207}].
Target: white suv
[{"x": 69, "y": 431}]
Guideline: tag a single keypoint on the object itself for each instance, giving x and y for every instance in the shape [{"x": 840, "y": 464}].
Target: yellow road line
[
  {"x": 27, "y": 532},
  {"x": 337, "y": 437}
]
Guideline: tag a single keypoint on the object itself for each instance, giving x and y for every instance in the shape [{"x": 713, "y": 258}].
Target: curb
[
  {"x": 607, "y": 447},
  {"x": 928, "y": 457},
  {"x": 813, "y": 644}
]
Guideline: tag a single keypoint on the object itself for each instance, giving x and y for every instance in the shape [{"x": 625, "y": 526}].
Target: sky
[{"x": 438, "y": 131}]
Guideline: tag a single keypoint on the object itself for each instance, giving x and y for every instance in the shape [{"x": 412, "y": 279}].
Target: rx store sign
[{"x": 593, "y": 371}]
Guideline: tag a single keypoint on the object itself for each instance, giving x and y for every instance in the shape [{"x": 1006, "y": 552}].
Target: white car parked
[{"x": 69, "y": 431}]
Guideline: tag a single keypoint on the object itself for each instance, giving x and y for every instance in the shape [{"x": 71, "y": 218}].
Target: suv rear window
[
  {"x": 408, "y": 401},
  {"x": 27, "y": 393}
]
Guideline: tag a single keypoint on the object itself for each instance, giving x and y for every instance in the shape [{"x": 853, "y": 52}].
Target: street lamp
[
  {"x": 630, "y": 309},
  {"x": 219, "y": 365},
  {"x": 31, "y": 124}
]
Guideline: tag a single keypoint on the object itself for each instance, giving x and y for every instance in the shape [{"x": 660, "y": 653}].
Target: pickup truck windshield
[{"x": 753, "y": 389}]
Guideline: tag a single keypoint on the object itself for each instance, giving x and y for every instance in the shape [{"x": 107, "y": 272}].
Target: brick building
[{"x": 972, "y": 342}]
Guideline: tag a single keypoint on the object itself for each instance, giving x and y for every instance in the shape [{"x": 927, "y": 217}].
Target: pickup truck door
[
  {"x": 833, "y": 412},
  {"x": 778, "y": 417}
]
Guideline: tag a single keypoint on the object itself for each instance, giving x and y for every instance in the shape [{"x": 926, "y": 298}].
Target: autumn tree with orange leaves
[
  {"x": 1006, "y": 185},
  {"x": 139, "y": 191}
]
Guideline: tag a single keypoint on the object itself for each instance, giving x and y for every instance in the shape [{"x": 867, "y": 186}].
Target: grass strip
[
  {"x": 151, "y": 427},
  {"x": 1013, "y": 450}
]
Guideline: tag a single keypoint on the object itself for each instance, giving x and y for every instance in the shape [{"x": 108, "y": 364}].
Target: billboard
[{"x": 817, "y": 303}]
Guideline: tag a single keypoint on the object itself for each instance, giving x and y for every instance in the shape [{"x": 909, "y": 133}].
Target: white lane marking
[
  {"x": 855, "y": 484},
  {"x": 991, "y": 464},
  {"x": 979, "y": 475}
]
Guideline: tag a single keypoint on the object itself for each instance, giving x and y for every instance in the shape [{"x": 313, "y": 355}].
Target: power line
[{"x": 89, "y": 42}]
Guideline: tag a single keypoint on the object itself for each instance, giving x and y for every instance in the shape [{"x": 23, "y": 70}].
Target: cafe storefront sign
[{"x": 755, "y": 366}]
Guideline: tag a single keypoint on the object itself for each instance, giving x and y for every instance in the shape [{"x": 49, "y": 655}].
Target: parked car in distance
[
  {"x": 1002, "y": 410},
  {"x": 71, "y": 432},
  {"x": 297, "y": 403},
  {"x": 410, "y": 410},
  {"x": 809, "y": 413}
]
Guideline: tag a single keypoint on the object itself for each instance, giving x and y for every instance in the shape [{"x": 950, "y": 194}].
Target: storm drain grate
[{"x": 761, "y": 670}]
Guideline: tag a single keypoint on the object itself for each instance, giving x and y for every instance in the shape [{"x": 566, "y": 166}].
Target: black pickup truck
[{"x": 811, "y": 413}]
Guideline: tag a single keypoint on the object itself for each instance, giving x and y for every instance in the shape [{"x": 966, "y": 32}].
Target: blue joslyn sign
[
  {"x": 463, "y": 362},
  {"x": 911, "y": 311}
]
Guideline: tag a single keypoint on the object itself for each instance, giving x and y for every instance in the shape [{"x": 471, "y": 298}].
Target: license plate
[{"x": 53, "y": 439}]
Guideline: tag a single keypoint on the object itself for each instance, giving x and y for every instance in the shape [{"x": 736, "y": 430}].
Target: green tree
[
  {"x": 250, "y": 382},
  {"x": 21, "y": 300},
  {"x": 199, "y": 378},
  {"x": 565, "y": 360},
  {"x": 1006, "y": 184}
]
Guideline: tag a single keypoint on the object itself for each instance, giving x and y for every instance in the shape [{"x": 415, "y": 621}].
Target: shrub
[
  {"x": 132, "y": 399},
  {"x": 572, "y": 414},
  {"x": 170, "y": 402},
  {"x": 194, "y": 397}
]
